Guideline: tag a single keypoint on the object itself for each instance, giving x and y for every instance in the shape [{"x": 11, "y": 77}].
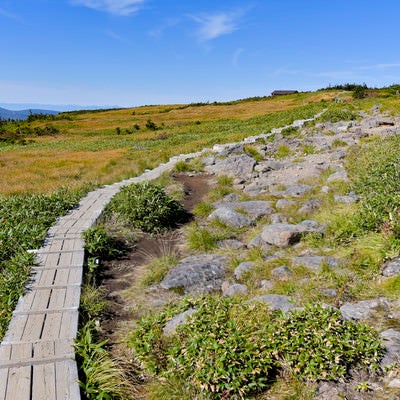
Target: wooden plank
[
  {"x": 64, "y": 347},
  {"x": 5, "y": 352},
  {"x": 41, "y": 300},
  {"x": 16, "y": 328},
  {"x": 19, "y": 383},
  {"x": 75, "y": 276},
  {"x": 44, "y": 382},
  {"x": 69, "y": 324},
  {"x": 67, "y": 380},
  {"x": 52, "y": 326},
  {"x": 33, "y": 328},
  {"x": 44, "y": 349},
  {"x": 57, "y": 299},
  {"x": 45, "y": 277},
  {"x": 25, "y": 302},
  {"x": 21, "y": 351},
  {"x": 72, "y": 297},
  {"x": 61, "y": 277},
  {"x": 3, "y": 382}
]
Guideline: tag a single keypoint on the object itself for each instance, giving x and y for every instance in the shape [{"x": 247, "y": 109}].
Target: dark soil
[{"x": 119, "y": 276}]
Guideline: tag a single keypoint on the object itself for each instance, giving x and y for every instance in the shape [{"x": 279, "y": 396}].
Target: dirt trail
[{"x": 121, "y": 278}]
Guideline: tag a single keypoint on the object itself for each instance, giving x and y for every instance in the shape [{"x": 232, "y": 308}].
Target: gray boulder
[
  {"x": 391, "y": 267},
  {"x": 281, "y": 273},
  {"x": 282, "y": 235},
  {"x": 234, "y": 166},
  {"x": 295, "y": 190},
  {"x": 235, "y": 290},
  {"x": 363, "y": 309},
  {"x": 254, "y": 208},
  {"x": 277, "y": 302},
  {"x": 230, "y": 217},
  {"x": 284, "y": 203},
  {"x": 338, "y": 176},
  {"x": 242, "y": 268},
  {"x": 260, "y": 243},
  {"x": 233, "y": 244},
  {"x": 170, "y": 327},
  {"x": 309, "y": 207},
  {"x": 197, "y": 274},
  {"x": 391, "y": 341},
  {"x": 315, "y": 263}
]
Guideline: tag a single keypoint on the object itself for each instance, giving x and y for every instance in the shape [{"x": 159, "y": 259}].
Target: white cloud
[
  {"x": 236, "y": 56},
  {"x": 116, "y": 7},
  {"x": 215, "y": 25}
]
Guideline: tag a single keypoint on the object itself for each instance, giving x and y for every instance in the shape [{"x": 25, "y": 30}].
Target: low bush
[
  {"x": 337, "y": 114},
  {"x": 223, "y": 353},
  {"x": 147, "y": 207},
  {"x": 375, "y": 171}
]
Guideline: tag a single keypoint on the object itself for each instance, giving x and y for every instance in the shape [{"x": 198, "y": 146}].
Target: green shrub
[
  {"x": 99, "y": 244},
  {"x": 290, "y": 131},
  {"x": 337, "y": 114},
  {"x": 375, "y": 171},
  {"x": 146, "y": 206},
  {"x": 224, "y": 353}
]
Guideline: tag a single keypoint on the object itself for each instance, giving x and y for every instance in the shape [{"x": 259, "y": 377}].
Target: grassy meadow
[{"x": 105, "y": 146}]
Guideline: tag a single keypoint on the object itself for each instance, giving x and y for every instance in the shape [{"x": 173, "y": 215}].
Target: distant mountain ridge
[{"x": 23, "y": 114}]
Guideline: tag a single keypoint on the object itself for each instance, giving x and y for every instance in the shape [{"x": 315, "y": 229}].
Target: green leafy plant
[
  {"x": 146, "y": 206},
  {"x": 336, "y": 114},
  {"x": 98, "y": 243},
  {"x": 101, "y": 378},
  {"x": 224, "y": 353}
]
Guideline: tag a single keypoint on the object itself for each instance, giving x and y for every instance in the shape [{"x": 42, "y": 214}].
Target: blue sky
[{"x": 136, "y": 52}]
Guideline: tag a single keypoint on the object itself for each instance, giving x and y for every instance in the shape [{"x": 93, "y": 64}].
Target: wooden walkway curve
[{"x": 37, "y": 353}]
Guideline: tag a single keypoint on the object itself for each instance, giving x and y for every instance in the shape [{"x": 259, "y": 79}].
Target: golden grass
[
  {"x": 46, "y": 170},
  {"x": 88, "y": 148}
]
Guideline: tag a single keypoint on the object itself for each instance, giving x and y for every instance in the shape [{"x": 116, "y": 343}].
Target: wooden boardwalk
[
  {"x": 36, "y": 354},
  {"x": 37, "y": 360}
]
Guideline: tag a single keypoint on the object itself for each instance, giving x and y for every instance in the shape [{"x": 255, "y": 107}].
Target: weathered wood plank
[
  {"x": 19, "y": 383},
  {"x": 33, "y": 327},
  {"x": 41, "y": 300},
  {"x": 67, "y": 381},
  {"x": 52, "y": 326},
  {"x": 3, "y": 382},
  {"x": 15, "y": 329},
  {"x": 69, "y": 324},
  {"x": 72, "y": 297},
  {"x": 44, "y": 382}
]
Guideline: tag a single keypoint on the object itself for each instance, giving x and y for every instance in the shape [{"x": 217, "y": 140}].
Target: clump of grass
[
  {"x": 253, "y": 152},
  {"x": 201, "y": 238},
  {"x": 101, "y": 376},
  {"x": 283, "y": 151},
  {"x": 290, "y": 131},
  {"x": 158, "y": 268},
  {"x": 338, "y": 143},
  {"x": 203, "y": 209},
  {"x": 308, "y": 149},
  {"x": 194, "y": 165}
]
